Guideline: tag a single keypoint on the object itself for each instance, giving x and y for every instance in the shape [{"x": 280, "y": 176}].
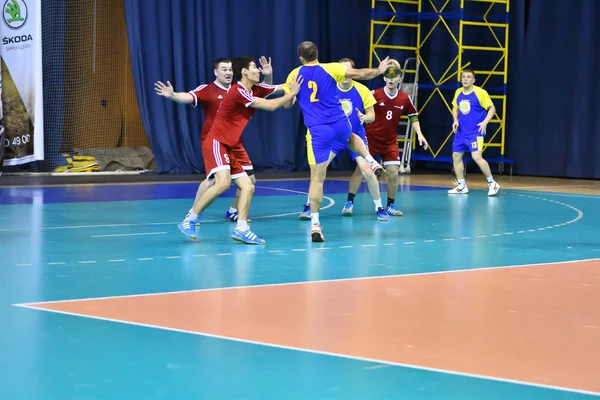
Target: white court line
[
  {"x": 332, "y": 354},
  {"x": 377, "y": 361},
  {"x": 329, "y": 199},
  {"x": 454, "y": 271},
  {"x": 130, "y": 234}
]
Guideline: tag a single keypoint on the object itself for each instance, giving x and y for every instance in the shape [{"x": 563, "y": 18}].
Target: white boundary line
[
  {"x": 311, "y": 282},
  {"x": 312, "y": 351}
]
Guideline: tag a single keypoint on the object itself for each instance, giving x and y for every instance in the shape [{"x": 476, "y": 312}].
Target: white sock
[
  {"x": 308, "y": 200},
  {"x": 315, "y": 218},
  {"x": 242, "y": 225},
  {"x": 232, "y": 210},
  {"x": 461, "y": 182},
  {"x": 370, "y": 159},
  {"x": 192, "y": 215},
  {"x": 490, "y": 179},
  {"x": 378, "y": 204}
]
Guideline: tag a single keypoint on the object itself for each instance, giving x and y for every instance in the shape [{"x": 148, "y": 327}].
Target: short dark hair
[
  {"x": 348, "y": 60},
  {"x": 239, "y": 63},
  {"x": 308, "y": 51},
  {"x": 219, "y": 61},
  {"x": 469, "y": 71}
]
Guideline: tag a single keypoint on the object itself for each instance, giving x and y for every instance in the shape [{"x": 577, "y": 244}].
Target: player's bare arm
[
  {"x": 365, "y": 74},
  {"x": 483, "y": 124},
  {"x": 420, "y": 137},
  {"x": 168, "y": 92},
  {"x": 367, "y": 117},
  {"x": 290, "y": 103},
  {"x": 274, "y": 104},
  {"x": 455, "y": 116}
]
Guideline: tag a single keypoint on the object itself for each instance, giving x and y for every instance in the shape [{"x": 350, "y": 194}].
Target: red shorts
[
  {"x": 218, "y": 157},
  {"x": 239, "y": 152},
  {"x": 390, "y": 155}
]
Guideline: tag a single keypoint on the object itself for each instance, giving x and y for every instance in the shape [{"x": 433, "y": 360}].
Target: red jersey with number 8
[{"x": 388, "y": 110}]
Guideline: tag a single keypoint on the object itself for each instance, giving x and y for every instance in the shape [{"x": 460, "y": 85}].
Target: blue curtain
[
  {"x": 178, "y": 40},
  {"x": 554, "y": 108}
]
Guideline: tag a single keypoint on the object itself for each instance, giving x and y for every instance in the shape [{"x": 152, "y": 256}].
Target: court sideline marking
[{"x": 331, "y": 354}]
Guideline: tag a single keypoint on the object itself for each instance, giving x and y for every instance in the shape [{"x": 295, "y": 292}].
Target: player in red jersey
[
  {"x": 209, "y": 97},
  {"x": 225, "y": 133},
  {"x": 382, "y": 133}
]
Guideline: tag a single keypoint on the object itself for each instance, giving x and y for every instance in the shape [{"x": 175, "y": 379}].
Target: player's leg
[
  {"x": 460, "y": 145},
  {"x": 232, "y": 213},
  {"x": 373, "y": 185},
  {"x": 239, "y": 152},
  {"x": 320, "y": 142},
  {"x": 217, "y": 165},
  {"x": 242, "y": 231},
  {"x": 356, "y": 144},
  {"x": 390, "y": 157},
  {"x": 353, "y": 186},
  {"x": 336, "y": 148},
  {"x": 205, "y": 184},
  {"x": 476, "y": 148}
]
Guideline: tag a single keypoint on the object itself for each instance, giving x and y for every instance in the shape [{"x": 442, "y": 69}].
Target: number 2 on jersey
[{"x": 313, "y": 85}]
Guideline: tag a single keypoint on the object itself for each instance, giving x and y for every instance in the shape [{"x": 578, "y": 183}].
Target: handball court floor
[{"x": 465, "y": 297}]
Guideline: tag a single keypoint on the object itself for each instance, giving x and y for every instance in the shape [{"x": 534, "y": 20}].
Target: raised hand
[
  {"x": 384, "y": 65},
  {"x": 164, "y": 90},
  {"x": 265, "y": 66}
]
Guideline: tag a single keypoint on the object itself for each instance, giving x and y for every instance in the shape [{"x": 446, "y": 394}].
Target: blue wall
[{"x": 553, "y": 113}]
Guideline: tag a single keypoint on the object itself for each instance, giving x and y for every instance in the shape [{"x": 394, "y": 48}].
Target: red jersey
[
  {"x": 388, "y": 111},
  {"x": 235, "y": 112},
  {"x": 209, "y": 97}
]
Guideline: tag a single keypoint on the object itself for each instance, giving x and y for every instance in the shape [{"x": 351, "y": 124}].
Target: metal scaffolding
[{"x": 474, "y": 33}]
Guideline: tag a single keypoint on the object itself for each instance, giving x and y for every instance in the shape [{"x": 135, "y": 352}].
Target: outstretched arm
[
  {"x": 274, "y": 104},
  {"x": 365, "y": 74},
  {"x": 168, "y": 92}
]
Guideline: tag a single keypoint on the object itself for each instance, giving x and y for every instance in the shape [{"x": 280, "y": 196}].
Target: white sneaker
[
  {"x": 460, "y": 189},
  {"x": 494, "y": 187}
]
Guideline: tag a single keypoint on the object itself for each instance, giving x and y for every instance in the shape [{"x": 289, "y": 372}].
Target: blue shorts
[
  {"x": 467, "y": 144},
  {"x": 321, "y": 139},
  {"x": 339, "y": 147}
]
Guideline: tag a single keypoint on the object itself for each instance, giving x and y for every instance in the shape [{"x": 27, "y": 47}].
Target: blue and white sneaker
[
  {"x": 305, "y": 214},
  {"x": 233, "y": 217},
  {"x": 188, "y": 228},
  {"x": 347, "y": 210},
  {"x": 393, "y": 211},
  {"x": 247, "y": 237},
  {"x": 382, "y": 215}
]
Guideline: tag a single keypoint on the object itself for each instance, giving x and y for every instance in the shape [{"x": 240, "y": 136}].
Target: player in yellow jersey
[
  {"x": 357, "y": 102},
  {"x": 325, "y": 119},
  {"x": 472, "y": 111}
]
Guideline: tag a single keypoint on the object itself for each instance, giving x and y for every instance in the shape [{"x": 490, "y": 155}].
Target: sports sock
[
  {"x": 314, "y": 217},
  {"x": 242, "y": 225},
  {"x": 378, "y": 204}
]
